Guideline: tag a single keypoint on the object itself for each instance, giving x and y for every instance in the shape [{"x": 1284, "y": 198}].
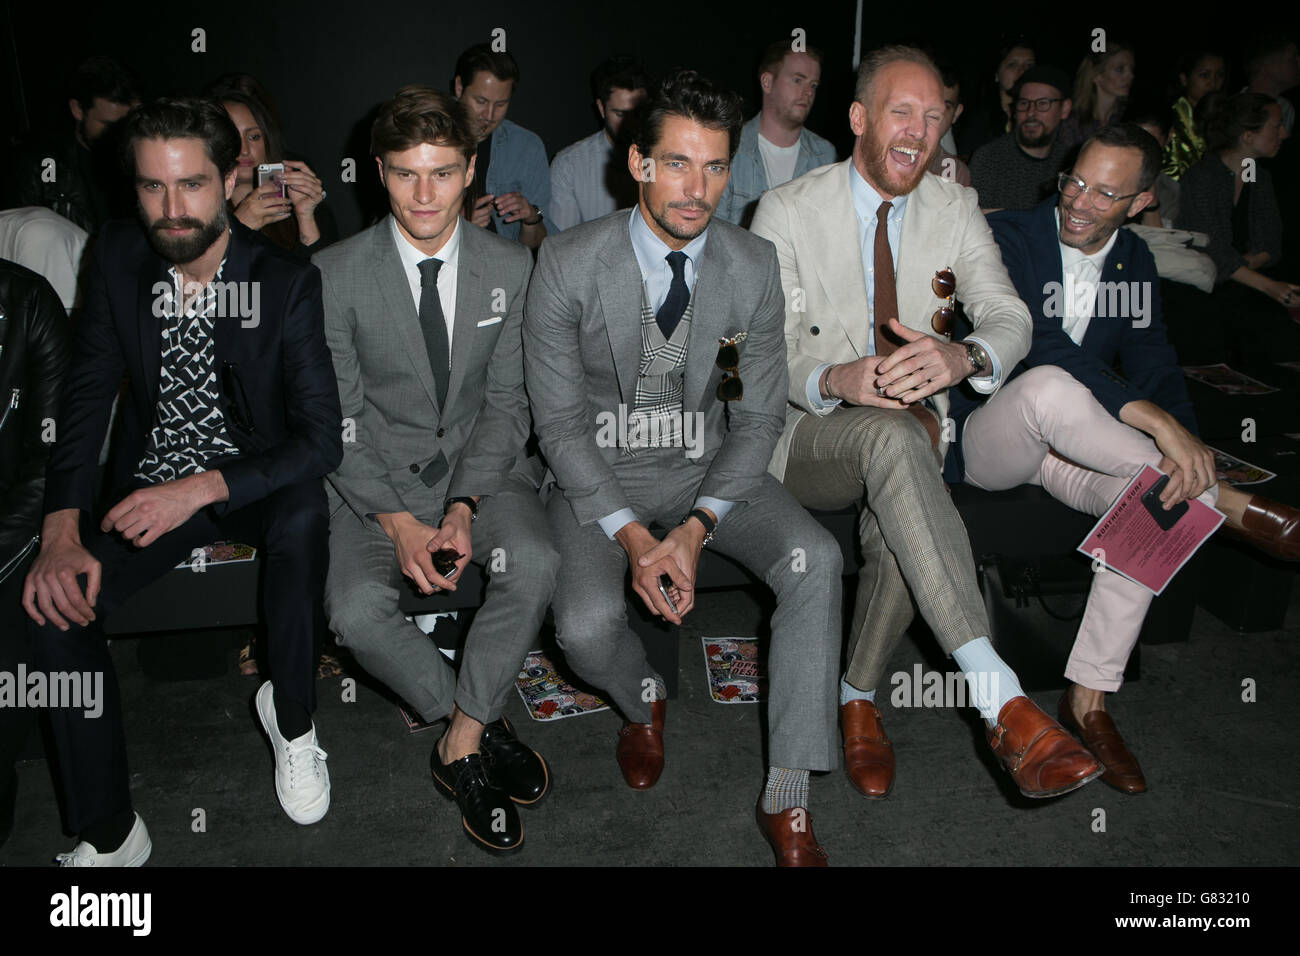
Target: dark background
[{"x": 330, "y": 63}]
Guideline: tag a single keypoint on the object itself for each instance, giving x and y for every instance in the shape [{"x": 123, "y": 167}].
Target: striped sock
[{"x": 785, "y": 790}]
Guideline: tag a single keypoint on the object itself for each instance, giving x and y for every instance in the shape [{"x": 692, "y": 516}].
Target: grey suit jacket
[
  {"x": 399, "y": 452},
  {"x": 812, "y": 222},
  {"x": 582, "y": 347}
]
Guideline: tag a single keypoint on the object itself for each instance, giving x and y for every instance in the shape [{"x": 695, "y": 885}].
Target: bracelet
[
  {"x": 532, "y": 222},
  {"x": 702, "y": 517},
  {"x": 825, "y": 384}
]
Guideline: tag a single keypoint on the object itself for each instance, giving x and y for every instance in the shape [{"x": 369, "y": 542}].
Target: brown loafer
[
  {"x": 1097, "y": 730},
  {"x": 1041, "y": 757},
  {"x": 641, "y": 749},
  {"x": 1271, "y": 526},
  {"x": 790, "y": 835},
  {"x": 868, "y": 755}
]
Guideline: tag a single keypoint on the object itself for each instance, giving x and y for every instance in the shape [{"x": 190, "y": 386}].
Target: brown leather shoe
[
  {"x": 790, "y": 835},
  {"x": 868, "y": 755},
  {"x": 1099, "y": 735},
  {"x": 1271, "y": 526},
  {"x": 1041, "y": 757},
  {"x": 641, "y": 749}
]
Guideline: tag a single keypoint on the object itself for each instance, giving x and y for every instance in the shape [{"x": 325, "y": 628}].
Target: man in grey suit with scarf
[
  {"x": 422, "y": 315},
  {"x": 670, "y": 325}
]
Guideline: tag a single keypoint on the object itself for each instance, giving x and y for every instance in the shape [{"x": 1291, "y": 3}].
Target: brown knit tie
[{"x": 886, "y": 306}]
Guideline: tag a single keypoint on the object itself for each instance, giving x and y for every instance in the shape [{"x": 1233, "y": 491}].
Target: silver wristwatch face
[{"x": 976, "y": 355}]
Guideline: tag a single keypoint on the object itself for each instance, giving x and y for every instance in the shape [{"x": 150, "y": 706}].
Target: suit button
[
  {"x": 415, "y": 469},
  {"x": 441, "y": 432},
  {"x": 815, "y": 331}
]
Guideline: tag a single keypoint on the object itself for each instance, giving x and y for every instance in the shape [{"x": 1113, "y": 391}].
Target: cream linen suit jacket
[{"x": 812, "y": 223}]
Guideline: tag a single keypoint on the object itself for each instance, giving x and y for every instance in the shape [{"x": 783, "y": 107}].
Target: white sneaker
[
  {"x": 133, "y": 851},
  {"x": 302, "y": 781}
]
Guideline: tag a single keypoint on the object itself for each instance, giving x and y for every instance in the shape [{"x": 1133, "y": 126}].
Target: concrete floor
[{"x": 1223, "y": 776}]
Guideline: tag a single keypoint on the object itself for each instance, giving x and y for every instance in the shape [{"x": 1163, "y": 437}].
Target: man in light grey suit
[
  {"x": 656, "y": 367},
  {"x": 870, "y": 252},
  {"x": 423, "y": 314}
]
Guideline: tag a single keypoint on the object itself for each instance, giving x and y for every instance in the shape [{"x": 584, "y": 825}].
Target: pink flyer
[{"x": 1129, "y": 541}]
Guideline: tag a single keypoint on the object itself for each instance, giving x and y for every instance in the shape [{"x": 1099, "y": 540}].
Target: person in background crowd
[
  {"x": 1201, "y": 73},
  {"x": 775, "y": 146},
  {"x": 294, "y": 217},
  {"x": 946, "y": 162},
  {"x": 1017, "y": 169},
  {"x": 1158, "y": 122},
  {"x": 991, "y": 117},
  {"x": 1229, "y": 196},
  {"x": 511, "y": 194},
  {"x": 589, "y": 179},
  {"x": 1272, "y": 68},
  {"x": 34, "y": 333},
  {"x": 1101, "y": 89},
  {"x": 84, "y": 183},
  {"x": 46, "y": 243}
]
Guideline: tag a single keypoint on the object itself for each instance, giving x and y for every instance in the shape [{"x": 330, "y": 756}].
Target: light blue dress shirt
[
  {"x": 866, "y": 206},
  {"x": 652, "y": 259}
]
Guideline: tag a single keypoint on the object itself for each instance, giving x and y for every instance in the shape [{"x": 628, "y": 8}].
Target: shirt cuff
[
  {"x": 986, "y": 384},
  {"x": 716, "y": 505},
  {"x": 813, "y": 389},
  {"x": 610, "y": 524}
]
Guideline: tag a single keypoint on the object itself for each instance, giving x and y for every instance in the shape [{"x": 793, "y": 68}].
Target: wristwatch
[
  {"x": 702, "y": 517},
  {"x": 978, "y": 358},
  {"x": 535, "y": 220},
  {"x": 470, "y": 503}
]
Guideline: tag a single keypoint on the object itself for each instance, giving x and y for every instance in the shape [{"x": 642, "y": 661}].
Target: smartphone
[
  {"x": 665, "y": 582},
  {"x": 1151, "y": 500},
  {"x": 444, "y": 562},
  {"x": 273, "y": 174}
]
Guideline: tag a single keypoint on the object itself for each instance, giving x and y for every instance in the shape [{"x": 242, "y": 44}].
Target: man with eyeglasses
[
  {"x": 1070, "y": 423},
  {"x": 1018, "y": 169}
]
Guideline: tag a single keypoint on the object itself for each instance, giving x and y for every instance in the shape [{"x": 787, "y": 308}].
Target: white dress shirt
[{"x": 1080, "y": 274}]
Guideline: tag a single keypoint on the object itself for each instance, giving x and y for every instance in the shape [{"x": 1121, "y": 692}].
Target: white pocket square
[{"x": 492, "y": 321}]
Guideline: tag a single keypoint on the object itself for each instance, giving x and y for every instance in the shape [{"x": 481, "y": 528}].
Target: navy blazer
[
  {"x": 289, "y": 400},
  {"x": 1121, "y": 359}
]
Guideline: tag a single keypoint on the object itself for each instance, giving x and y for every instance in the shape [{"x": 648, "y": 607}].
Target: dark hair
[
  {"x": 244, "y": 89},
  {"x": 1227, "y": 117},
  {"x": 104, "y": 78},
  {"x": 774, "y": 55},
  {"x": 1131, "y": 136},
  {"x": 949, "y": 76},
  {"x": 421, "y": 114},
  {"x": 618, "y": 73},
  {"x": 1188, "y": 61},
  {"x": 878, "y": 59},
  {"x": 692, "y": 95},
  {"x": 187, "y": 117},
  {"x": 1149, "y": 113},
  {"x": 1263, "y": 47},
  {"x": 481, "y": 58}
]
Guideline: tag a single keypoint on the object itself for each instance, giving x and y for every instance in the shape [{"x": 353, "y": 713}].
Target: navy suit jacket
[
  {"x": 1122, "y": 358},
  {"x": 281, "y": 362}
]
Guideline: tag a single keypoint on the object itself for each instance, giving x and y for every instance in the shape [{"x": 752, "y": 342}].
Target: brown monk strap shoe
[
  {"x": 790, "y": 835},
  {"x": 1041, "y": 757},
  {"x": 1271, "y": 526},
  {"x": 641, "y": 749},
  {"x": 868, "y": 755},
  {"x": 1099, "y": 735}
]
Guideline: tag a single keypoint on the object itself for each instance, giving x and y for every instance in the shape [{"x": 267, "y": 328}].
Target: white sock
[
  {"x": 848, "y": 692},
  {"x": 989, "y": 680}
]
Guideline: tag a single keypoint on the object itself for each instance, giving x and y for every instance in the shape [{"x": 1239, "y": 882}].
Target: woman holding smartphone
[{"x": 286, "y": 206}]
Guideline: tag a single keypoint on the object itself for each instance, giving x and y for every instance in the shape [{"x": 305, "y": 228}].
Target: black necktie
[
  {"x": 670, "y": 313},
  {"x": 434, "y": 325}
]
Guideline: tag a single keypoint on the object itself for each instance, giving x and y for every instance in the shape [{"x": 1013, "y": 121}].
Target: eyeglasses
[
  {"x": 1041, "y": 105},
  {"x": 944, "y": 285},
  {"x": 730, "y": 389},
  {"x": 1071, "y": 185}
]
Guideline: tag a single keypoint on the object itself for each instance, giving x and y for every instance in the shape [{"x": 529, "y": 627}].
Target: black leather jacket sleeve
[{"x": 35, "y": 358}]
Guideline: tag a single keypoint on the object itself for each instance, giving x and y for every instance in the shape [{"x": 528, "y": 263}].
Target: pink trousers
[{"x": 1045, "y": 428}]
